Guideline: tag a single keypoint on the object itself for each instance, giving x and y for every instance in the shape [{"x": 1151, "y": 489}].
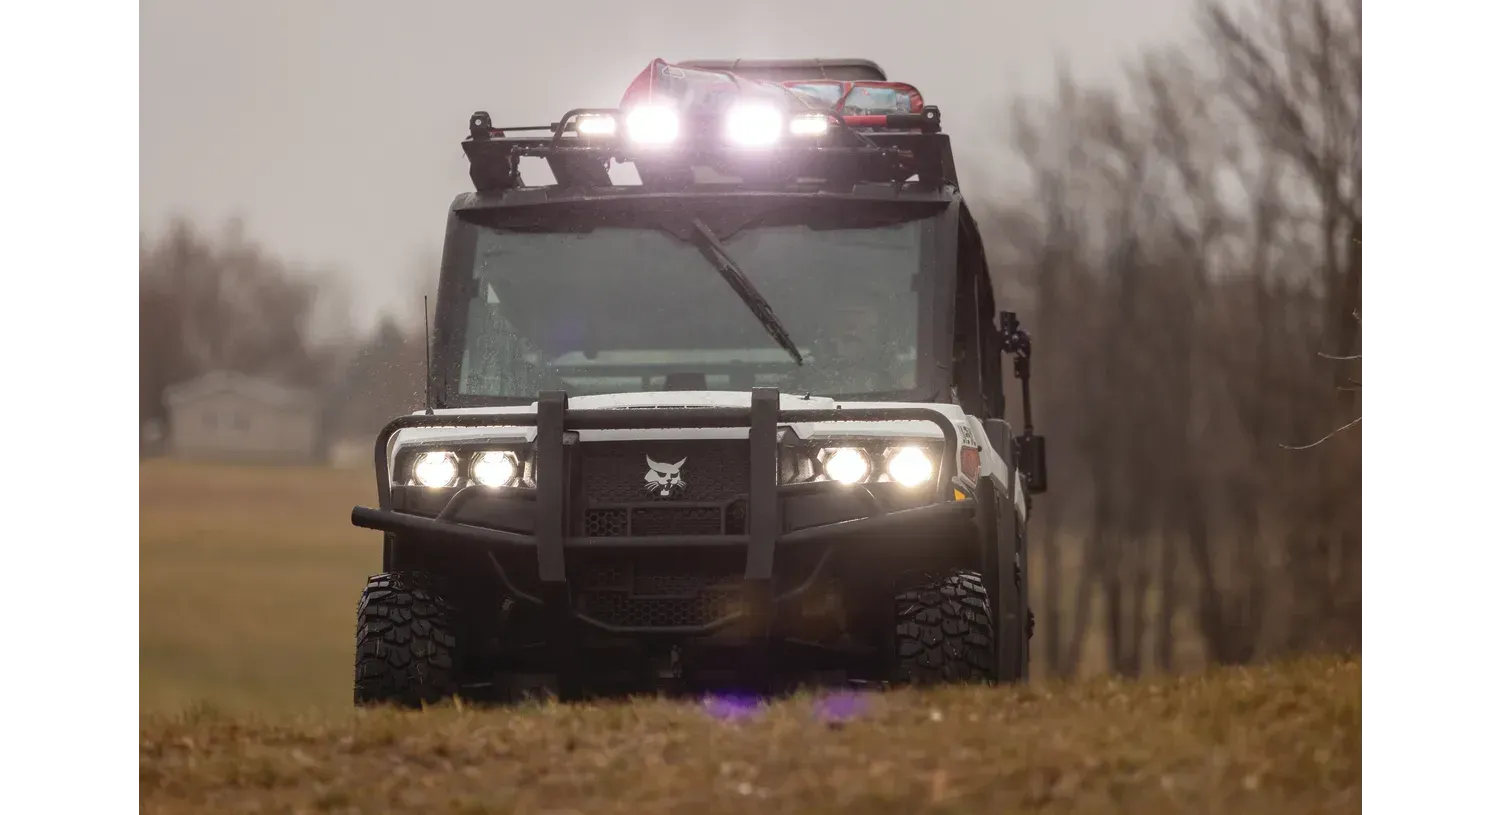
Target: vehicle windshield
[{"x": 631, "y": 306}]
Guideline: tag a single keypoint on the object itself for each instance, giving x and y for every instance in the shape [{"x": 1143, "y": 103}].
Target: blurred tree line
[
  {"x": 219, "y": 302},
  {"x": 1187, "y": 255}
]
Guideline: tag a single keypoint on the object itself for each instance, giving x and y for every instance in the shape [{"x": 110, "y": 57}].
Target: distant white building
[{"x": 231, "y": 416}]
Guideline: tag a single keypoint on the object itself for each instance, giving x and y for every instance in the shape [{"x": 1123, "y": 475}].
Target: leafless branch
[
  {"x": 1338, "y": 358},
  {"x": 1325, "y": 438}
]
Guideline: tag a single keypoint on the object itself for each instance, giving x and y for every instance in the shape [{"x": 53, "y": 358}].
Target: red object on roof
[
  {"x": 700, "y": 89},
  {"x": 858, "y": 98},
  {"x": 860, "y": 102}
]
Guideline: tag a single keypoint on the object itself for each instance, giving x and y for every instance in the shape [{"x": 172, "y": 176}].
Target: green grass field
[{"x": 249, "y": 579}]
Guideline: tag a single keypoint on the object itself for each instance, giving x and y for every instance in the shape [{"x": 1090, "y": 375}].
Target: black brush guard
[{"x": 763, "y": 530}]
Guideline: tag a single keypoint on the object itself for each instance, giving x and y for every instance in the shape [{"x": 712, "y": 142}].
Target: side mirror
[{"x": 1031, "y": 460}]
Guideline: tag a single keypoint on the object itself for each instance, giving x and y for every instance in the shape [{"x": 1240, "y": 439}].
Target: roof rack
[
  {"x": 579, "y": 150},
  {"x": 676, "y": 121}
]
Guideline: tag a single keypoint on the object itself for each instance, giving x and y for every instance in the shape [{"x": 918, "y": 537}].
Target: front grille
[
  {"x": 661, "y": 612},
  {"x": 713, "y": 469},
  {"x": 664, "y": 520},
  {"x": 674, "y": 521},
  {"x": 606, "y": 523},
  {"x": 656, "y": 590},
  {"x": 650, "y": 592},
  {"x": 617, "y": 503}
]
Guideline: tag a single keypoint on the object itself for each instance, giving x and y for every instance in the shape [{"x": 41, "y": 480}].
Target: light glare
[
  {"x": 435, "y": 469},
  {"x": 910, "y": 467},
  {"x": 595, "y": 125},
  {"x": 847, "y": 465},
  {"x": 809, "y": 125},
  {"x": 494, "y": 469},
  {"x": 652, "y": 124},
  {"x": 753, "y": 125}
]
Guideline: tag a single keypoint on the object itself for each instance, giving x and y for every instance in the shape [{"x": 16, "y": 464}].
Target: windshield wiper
[{"x": 714, "y": 250}]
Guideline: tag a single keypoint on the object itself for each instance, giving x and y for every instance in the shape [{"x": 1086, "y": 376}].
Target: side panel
[
  {"x": 994, "y": 464},
  {"x": 1009, "y": 598}
]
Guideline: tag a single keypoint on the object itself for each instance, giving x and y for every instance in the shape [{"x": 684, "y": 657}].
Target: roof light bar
[
  {"x": 754, "y": 125},
  {"x": 596, "y": 124},
  {"x": 652, "y": 125},
  {"x": 809, "y": 124}
]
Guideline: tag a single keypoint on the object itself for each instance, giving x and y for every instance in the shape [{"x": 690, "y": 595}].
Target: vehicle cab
[{"x": 779, "y": 346}]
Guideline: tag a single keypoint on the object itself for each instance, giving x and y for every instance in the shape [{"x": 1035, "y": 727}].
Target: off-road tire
[
  {"x": 405, "y": 653},
  {"x": 944, "y": 632}
]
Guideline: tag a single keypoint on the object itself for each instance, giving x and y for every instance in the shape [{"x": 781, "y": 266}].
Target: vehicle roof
[{"x": 781, "y": 70}]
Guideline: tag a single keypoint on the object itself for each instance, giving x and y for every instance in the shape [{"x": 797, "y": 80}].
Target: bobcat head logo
[{"x": 664, "y": 480}]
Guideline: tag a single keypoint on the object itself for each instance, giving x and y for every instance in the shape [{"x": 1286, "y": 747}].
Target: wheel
[
  {"x": 944, "y": 632},
  {"x": 405, "y": 651}
]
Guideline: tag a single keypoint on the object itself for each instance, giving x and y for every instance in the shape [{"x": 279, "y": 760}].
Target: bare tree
[
  {"x": 223, "y": 303},
  {"x": 385, "y": 375},
  {"x": 384, "y": 380},
  {"x": 1294, "y": 71},
  {"x": 1183, "y": 251}
]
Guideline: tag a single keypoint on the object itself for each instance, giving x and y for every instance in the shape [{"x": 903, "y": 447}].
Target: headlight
[
  {"x": 494, "y": 469},
  {"x": 652, "y": 125},
  {"x": 909, "y": 467},
  {"x": 753, "y": 125},
  {"x": 435, "y": 469},
  {"x": 846, "y": 465}
]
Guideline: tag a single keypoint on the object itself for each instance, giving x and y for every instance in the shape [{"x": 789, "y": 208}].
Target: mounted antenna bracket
[{"x": 1030, "y": 448}]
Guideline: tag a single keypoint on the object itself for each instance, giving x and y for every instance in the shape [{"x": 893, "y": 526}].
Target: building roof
[{"x": 259, "y": 389}]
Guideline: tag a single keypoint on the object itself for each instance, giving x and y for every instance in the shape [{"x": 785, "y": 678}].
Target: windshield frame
[{"x": 726, "y": 213}]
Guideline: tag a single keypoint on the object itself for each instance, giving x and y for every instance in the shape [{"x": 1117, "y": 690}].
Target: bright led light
[
  {"x": 753, "y": 125},
  {"x": 495, "y": 469},
  {"x": 847, "y": 465},
  {"x": 435, "y": 469},
  {"x": 652, "y": 124},
  {"x": 910, "y": 467},
  {"x": 814, "y": 124},
  {"x": 595, "y": 125}
]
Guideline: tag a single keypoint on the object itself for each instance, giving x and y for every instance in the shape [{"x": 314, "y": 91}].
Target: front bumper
[{"x": 778, "y": 519}]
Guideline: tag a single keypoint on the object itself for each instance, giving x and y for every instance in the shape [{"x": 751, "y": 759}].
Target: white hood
[{"x": 689, "y": 399}]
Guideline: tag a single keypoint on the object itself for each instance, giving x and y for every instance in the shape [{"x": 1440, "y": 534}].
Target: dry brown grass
[
  {"x": 1280, "y": 740},
  {"x": 249, "y": 577}
]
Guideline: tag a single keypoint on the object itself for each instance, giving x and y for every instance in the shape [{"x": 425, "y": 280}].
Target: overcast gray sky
[{"x": 332, "y": 126}]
